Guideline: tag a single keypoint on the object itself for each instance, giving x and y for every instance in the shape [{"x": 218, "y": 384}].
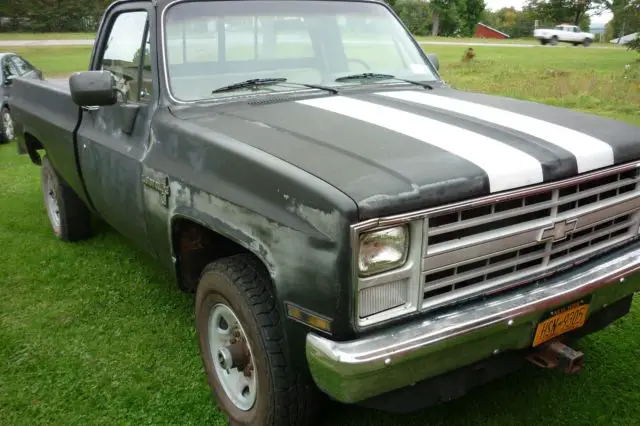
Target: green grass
[
  {"x": 593, "y": 81},
  {"x": 57, "y": 61},
  {"x": 94, "y": 333},
  {"x": 47, "y": 36}
]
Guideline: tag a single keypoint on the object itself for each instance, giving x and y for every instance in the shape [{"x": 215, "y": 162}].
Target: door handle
[{"x": 90, "y": 108}]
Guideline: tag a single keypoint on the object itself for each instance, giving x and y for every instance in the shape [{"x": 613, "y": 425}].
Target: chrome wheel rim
[
  {"x": 51, "y": 203},
  {"x": 7, "y": 125},
  {"x": 232, "y": 357}
]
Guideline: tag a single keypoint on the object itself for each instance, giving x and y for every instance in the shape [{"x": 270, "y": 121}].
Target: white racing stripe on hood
[
  {"x": 590, "y": 153},
  {"x": 506, "y": 167}
]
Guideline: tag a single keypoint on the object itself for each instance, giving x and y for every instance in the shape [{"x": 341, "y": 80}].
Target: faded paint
[
  {"x": 328, "y": 223},
  {"x": 428, "y": 194}
]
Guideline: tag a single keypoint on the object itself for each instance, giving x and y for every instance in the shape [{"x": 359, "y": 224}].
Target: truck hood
[{"x": 394, "y": 151}]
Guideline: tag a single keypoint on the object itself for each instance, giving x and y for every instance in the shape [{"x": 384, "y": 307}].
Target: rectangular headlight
[{"x": 383, "y": 250}]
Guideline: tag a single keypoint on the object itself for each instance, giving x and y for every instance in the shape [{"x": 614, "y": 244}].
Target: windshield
[{"x": 210, "y": 45}]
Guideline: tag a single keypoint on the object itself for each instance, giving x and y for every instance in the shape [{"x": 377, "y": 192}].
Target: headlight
[{"x": 383, "y": 250}]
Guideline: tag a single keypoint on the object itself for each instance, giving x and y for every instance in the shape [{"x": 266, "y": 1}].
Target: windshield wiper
[
  {"x": 376, "y": 76},
  {"x": 258, "y": 82}
]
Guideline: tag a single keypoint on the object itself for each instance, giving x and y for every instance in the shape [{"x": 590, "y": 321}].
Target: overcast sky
[{"x": 497, "y": 4}]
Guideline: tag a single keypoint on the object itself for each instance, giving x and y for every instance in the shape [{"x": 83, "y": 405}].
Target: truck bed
[{"x": 44, "y": 112}]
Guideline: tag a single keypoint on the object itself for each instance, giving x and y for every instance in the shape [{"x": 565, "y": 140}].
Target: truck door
[
  {"x": 112, "y": 140},
  {"x": 576, "y": 34}
]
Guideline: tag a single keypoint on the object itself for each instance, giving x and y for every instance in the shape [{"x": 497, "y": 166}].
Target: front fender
[
  {"x": 306, "y": 251},
  {"x": 223, "y": 228}
]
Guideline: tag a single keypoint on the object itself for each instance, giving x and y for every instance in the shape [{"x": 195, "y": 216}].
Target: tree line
[
  {"x": 459, "y": 17},
  {"x": 422, "y": 17},
  {"x": 547, "y": 13},
  {"x": 51, "y": 15}
]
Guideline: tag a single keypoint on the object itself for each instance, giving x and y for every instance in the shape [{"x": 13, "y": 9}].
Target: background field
[
  {"x": 46, "y": 36},
  {"x": 94, "y": 333},
  {"x": 602, "y": 81}
]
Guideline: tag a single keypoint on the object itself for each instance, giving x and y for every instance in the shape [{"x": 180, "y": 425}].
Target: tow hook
[{"x": 558, "y": 355}]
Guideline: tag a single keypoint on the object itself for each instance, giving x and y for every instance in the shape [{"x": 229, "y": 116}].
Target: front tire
[
  {"x": 243, "y": 347},
  {"x": 7, "y": 132},
  {"x": 69, "y": 217},
  {"x": 554, "y": 41},
  {"x": 587, "y": 42}
]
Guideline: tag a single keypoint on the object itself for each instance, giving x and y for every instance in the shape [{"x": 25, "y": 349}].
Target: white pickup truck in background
[{"x": 564, "y": 33}]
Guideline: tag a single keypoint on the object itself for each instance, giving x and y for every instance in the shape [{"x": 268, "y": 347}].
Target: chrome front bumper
[{"x": 403, "y": 355}]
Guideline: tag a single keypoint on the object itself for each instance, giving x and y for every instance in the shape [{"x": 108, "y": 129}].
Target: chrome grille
[{"x": 486, "y": 247}]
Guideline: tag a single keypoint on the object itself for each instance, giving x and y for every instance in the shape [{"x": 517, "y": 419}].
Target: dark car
[{"x": 12, "y": 66}]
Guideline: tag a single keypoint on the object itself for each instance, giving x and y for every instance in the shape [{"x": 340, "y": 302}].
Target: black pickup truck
[{"x": 350, "y": 225}]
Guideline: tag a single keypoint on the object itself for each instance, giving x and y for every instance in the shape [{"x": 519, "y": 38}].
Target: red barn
[{"x": 485, "y": 31}]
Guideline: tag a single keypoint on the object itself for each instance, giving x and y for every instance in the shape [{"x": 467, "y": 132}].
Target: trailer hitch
[{"x": 558, "y": 355}]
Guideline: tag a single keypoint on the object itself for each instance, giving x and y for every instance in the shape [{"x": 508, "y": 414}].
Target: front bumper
[{"x": 403, "y": 355}]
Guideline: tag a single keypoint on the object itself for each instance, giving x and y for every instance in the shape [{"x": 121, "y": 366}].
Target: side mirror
[
  {"x": 434, "y": 60},
  {"x": 93, "y": 88},
  {"x": 8, "y": 80}
]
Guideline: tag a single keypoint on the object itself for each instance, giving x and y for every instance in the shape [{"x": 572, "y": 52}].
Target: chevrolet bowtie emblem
[{"x": 558, "y": 231}]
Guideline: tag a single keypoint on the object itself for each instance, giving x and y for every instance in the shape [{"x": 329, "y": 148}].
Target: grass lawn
[
  {"x": 46, "y": 36},
  {"x": 596, "y": 81},
  {"x": 94, "y": 333},
  {"x": 56, "y": 61}
]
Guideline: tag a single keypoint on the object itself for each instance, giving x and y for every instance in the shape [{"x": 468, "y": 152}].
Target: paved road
[
  {"x": 461, "y": 43},
  {"x": 44, "y": 43},
  {"x": 86, "y": 42}
]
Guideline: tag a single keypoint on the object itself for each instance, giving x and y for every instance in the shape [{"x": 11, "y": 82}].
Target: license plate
[{"x": 561, "y": 321}]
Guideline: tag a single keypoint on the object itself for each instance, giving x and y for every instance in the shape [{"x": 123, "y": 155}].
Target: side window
[
  {"x": 293, "y": 39},
  {"x": 8, "y": 68},
  {"x": 273, "y": 38},
  {"x": 21, "y": 66},
  {"x": 125, "y": 54},
  {"x": 381, "y": 52},
  {"x": 203, "y": 36}
]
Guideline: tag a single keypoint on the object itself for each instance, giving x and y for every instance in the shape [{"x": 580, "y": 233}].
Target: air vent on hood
[
  {"x": 274, "y": 99},
  {"x": 270, "y": 100}
]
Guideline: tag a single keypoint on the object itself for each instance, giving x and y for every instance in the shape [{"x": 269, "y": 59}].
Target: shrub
[{"x": 634, "y": 44}]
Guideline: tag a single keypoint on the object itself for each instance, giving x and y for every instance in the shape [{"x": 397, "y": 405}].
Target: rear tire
[
  {"x": 235, "y": 305},
  {"x": 69, "y": 217},
  {"x": 7, "y": 132},
  {"x": 554, "y": 41}
]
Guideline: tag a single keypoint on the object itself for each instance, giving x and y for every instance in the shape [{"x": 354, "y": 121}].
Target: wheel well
[
  {"x": 195, "y": 246},
  {"x": 33, "y": 145}
]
